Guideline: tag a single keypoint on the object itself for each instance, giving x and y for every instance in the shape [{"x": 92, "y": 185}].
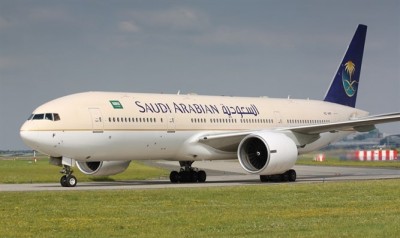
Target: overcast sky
[{"x": 52, "y": 48}]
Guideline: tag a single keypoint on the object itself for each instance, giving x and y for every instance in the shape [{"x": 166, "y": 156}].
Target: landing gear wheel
[
  {"x": 68, "y": 180},
  {"x": 264, "y": 178},
  {"x": 184, "y": 176},
  {"x": 284, "y": 177},
  {"x": 187, "y": 174},
  {"x": 194, "y": 176},
  {"x": 288, "y": 176},
  {"x": 71, "y": 181},
  {"x": 201, "y": 176},
  {"x": 174, "y": 177},
  {"x": 292, "y": 175},
  {"x": 63, "y": 181}
]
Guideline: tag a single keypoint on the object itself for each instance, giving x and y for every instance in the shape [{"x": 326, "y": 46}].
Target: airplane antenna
[{"x": 179, "y": 92}]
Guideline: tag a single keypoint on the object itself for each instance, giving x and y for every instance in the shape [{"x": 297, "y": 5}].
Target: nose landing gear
[{"x": 68, "y": 180}]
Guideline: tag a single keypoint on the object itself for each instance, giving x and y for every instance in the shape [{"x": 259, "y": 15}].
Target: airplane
[{"x": 102, "y": 132}]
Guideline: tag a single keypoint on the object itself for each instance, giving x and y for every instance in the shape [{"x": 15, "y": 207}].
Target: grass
[
  {"x": 337, "y": 209},
  {"x": 26, "y": 171},
  {"x": 332, "y": 160}
]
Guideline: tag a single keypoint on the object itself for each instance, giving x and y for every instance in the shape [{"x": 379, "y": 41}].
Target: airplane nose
[
  {"x": 27, "y": 136},
  {"x": 41, "y": 141},
  {"x": 24, "y": 127}
]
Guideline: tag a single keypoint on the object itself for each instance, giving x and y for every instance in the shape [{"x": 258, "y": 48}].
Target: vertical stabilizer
[{"x": 344, "y": 86}]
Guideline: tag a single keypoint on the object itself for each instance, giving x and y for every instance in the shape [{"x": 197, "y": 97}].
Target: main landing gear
[
  {"x": 187, "y": 174},
  {"x": 288, "y": 176},
  {"x": 68, "y": 180}
]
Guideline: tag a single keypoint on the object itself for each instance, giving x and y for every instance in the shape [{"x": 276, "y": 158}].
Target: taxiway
[{"x": 221, "y": 174}]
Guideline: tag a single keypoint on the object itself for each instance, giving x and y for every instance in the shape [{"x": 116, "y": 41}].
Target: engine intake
[
  {"x": 267, "y": 153},
  {"x": 102, "y": 168}
]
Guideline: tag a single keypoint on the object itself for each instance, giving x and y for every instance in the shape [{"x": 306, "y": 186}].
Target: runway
[{"x": 220, "y": 174}]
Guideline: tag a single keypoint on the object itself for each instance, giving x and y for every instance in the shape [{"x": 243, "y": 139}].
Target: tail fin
[{"x": 344, "y": 86}]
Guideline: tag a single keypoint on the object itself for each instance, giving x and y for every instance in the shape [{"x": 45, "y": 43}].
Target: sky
[{"x": 52, "y": 48}]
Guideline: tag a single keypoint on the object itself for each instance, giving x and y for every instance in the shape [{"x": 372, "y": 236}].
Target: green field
[
  {"x": 332, "y": 160},
  {"x": 334, "y": 209},
  {"x": 23, "y": 170}
]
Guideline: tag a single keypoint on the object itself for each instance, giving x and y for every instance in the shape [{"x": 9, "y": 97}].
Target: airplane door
[
  {"x": 171, "y": 124},
  {"x": 277, "y": 117},
  {"x": 97, "y": 120}
]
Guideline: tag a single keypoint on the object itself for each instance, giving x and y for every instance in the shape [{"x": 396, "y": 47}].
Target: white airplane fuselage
[{"x": 97, "y": 126}]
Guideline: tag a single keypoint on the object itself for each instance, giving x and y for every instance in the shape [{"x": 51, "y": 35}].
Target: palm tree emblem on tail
[{"x": 347, "y": 75}]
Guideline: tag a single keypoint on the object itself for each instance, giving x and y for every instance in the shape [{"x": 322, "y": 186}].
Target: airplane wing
[
  {"x": 304, "y": 134},
  {"x": 362, "y": 124}
]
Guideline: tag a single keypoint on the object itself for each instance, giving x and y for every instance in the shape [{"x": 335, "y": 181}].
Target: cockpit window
[
  {"x": 45, "y": 116},
  {"x": 38, "y": 117},
  {"x": 30, "y": 117},
  {"x": 48, "y": 116}
]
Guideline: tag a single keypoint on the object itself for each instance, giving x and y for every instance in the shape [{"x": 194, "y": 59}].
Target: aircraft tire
[
  {"x": 292, "y": 175},
  {"x": 194, "y": 176},
  {"x": 202, "y": 176},
  {"x": 174, "y": 177},
  {"x": 63, "y": 181},
  {"x": 184, "y": 176},
  {"x": 284, "y": 177},
  {"x": 71, "y": 181},
  {"x": 264, "y": 178}
]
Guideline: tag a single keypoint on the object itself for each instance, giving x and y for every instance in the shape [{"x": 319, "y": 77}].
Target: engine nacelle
[
  {"x": 267, "y": 153},
  {"x": 103, "y": 168}
]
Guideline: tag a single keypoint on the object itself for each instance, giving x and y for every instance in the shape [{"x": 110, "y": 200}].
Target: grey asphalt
[{"x": 220, "y": 174}]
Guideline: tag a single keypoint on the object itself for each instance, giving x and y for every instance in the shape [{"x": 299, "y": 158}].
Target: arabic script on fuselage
[{"x": 194, "y": 108}]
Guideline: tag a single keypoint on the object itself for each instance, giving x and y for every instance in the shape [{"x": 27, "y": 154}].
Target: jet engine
[
  {"x": 267, "y": 153},
  {"x": 102, "y": 168}
]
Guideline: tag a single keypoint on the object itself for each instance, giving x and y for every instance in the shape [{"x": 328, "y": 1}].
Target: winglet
[{"x": 344, "y": 86}]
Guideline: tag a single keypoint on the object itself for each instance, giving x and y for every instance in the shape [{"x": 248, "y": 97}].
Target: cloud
[
  {"x": 4, "y": 23},
  {"x": 160, "y": 26},
  {"x": 176, "y": 18},
  {"x": 49, "y": 14},
  {"x": 128, "y": 26},
  {"x": 234, "y": 36},
  {"x": 192, "y": 25},
  {"x": 7, "y": 63}
]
